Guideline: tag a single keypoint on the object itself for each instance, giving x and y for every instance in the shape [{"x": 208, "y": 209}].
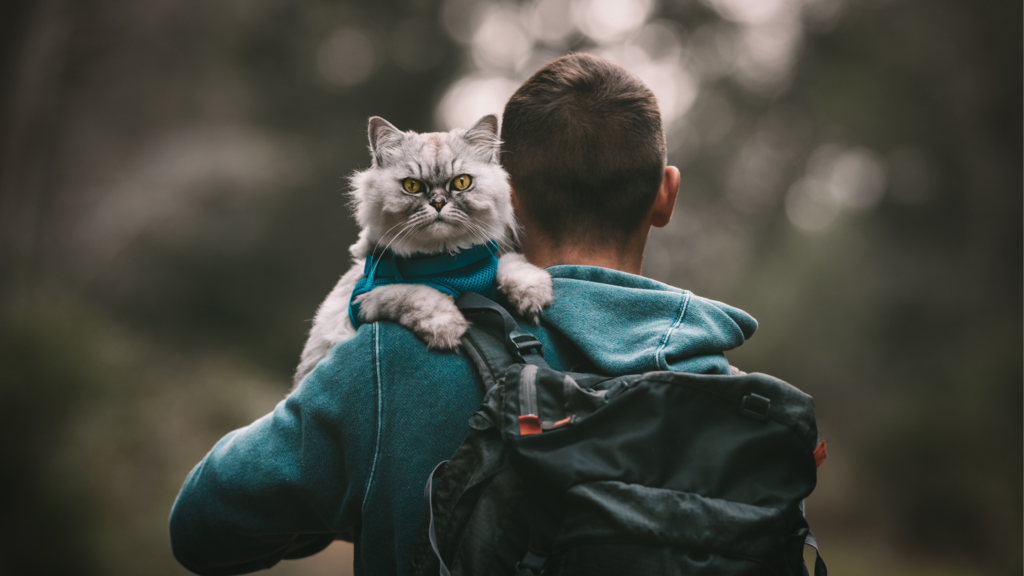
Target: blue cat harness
[{"x": 472, "y": 270}]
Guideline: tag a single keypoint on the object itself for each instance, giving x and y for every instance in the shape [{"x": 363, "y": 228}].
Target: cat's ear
[
  {"x": 384, "y": 140},
  {"x": 484, "y": 136}
]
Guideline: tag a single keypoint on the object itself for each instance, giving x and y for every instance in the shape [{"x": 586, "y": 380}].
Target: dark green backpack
[{"x": 660, "y": 474}]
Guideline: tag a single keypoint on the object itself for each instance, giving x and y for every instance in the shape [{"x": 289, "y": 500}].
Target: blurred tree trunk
[
  {"x": 37, "y": 391},
  {"x": 36, "y": 38}
]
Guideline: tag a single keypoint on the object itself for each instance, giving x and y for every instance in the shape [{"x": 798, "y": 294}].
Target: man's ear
[
  {"x": 514, "y": 196},
  {"x": 384, "y": 140},
  {"x": 665, "y": 201}
]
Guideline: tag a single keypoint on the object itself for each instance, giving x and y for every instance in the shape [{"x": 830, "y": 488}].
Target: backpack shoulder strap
[
  {"x": 494, "y": 340},
  {"x": 488, "y": 354}
]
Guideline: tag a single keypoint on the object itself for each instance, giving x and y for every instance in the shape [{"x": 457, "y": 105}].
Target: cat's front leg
[
  {"x": 331, "y": 324},
  {"x": 527, "y": 287},
  {"x": 429, "y": 314}
]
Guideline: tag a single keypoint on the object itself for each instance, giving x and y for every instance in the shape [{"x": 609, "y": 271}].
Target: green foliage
[{"x": 49, "y": 372}]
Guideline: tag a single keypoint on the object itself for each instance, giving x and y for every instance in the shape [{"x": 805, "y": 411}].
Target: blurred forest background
[{"x": 172, "y": 210}]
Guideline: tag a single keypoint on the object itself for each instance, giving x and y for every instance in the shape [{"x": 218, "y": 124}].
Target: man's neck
[{"x": 626, "y": 257}]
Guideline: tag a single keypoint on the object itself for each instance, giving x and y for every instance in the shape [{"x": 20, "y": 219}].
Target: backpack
[{"x": 660, "y": 474}]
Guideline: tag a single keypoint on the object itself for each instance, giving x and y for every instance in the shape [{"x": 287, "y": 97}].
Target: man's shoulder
[
  {"x": 385, "y": 352},
  {"x": 399, "y": 349}
]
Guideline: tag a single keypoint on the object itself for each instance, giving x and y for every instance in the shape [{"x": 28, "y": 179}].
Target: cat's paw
[
  {"x": 429, "y": 314},
  {"x": 443, "y": 330},
  {"x": 527, "y": 287}
]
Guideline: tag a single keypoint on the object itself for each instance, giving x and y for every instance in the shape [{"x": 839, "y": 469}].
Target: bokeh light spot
[
  {"x": 551, "y": 21},
  {"x": 810, "y": 205},
  {"x": 501, "y": 42},
  {"x": 346, "y": 58},
  {"x": 470, "y": 98},
  {"x": 749, "y": 11},
  {"x": 608, "y": 20},
  {"x": 858, "y": 179}
]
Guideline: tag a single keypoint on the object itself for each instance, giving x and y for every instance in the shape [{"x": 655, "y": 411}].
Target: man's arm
[{"x": 288, "y": 484}]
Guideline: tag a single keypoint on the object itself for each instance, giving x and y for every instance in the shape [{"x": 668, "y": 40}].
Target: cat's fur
[{"x": 408, "y": 224}]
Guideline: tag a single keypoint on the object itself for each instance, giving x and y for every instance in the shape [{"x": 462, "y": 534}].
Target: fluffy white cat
[{"x": 434, "y": 193}]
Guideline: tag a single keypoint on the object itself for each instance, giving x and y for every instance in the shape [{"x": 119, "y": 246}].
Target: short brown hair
[{"x": 585, "y": 149}]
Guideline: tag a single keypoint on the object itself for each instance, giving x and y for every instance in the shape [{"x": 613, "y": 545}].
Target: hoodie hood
[{"x": 628, "y": 324}]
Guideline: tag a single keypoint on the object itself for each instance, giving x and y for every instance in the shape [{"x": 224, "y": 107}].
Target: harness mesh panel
[{"x": 479, "y": 277}]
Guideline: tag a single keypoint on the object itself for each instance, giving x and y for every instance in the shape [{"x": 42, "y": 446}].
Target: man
[{"x": 347, "y": 454}]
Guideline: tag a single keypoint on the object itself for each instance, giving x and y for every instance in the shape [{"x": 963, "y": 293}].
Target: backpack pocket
[{"x": 608, "y": 524}]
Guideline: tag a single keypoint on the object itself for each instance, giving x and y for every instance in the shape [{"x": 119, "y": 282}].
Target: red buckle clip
[
  {"x": 820, "y": 453},
  {"x": 529, "y": 424}
]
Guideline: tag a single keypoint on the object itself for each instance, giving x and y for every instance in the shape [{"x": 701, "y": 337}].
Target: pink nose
[{"x": 438, "y": 204}]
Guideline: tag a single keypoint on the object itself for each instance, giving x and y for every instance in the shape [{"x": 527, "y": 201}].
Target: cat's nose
[{"x": 438, "y": 204}]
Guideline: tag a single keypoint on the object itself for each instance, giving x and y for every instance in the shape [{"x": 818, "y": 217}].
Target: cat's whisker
[
  {"x": 407, "y": 225},
  {"x": 483, "y": 235},
  {"x": 385, "y": 235},
  {"x": 464, "y": 219},
  {"x": 410, "y": 226},
  {"x": 407, "y": 228}
]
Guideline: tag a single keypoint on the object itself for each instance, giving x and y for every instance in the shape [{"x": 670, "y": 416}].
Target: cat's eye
[
  {"x": 462, "y": 182},
  {"x": 412, "y": 185}
]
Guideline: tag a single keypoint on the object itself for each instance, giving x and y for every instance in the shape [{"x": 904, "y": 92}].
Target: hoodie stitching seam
[
  {"x": 376, "y": 445},
  {"x": 659, "y": 354}
]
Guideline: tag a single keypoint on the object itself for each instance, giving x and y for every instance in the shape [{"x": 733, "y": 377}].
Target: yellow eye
[
  {"x": 462, "y": 182},
  {"x": 412, "y": 185}
]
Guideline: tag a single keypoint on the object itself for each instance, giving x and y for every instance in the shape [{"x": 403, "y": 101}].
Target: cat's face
[{"x": 435, "y": 192}]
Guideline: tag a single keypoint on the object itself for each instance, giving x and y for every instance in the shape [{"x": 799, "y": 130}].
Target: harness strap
[
  {"x": 424, "y": 265},
  {"x": 819, "y": 564}
]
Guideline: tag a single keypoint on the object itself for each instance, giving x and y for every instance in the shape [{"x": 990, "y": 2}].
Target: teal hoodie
[{"x": 348, "y": 453}]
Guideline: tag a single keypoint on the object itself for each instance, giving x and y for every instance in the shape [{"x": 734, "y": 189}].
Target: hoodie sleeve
[
  {"x": 705, "y": 329},
  {"x": 283, "y": 487}
]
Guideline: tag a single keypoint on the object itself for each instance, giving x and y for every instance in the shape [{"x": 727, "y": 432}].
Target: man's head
[{"x": 584, "y": 146}]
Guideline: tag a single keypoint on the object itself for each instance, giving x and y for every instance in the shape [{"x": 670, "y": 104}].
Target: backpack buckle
[
  {"x": 531, "y": 565},
  {"x": 755, "y": 406},
  {"x": 525, "y": 343}
]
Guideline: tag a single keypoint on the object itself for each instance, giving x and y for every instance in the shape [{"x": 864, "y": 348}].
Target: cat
[{"x": 441, "y": 194}]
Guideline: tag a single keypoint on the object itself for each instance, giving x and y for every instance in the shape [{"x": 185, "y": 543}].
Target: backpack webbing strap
[
  {"x": 488, "y": 353},
  {"x": 428, "y": 496},
  {"x": 819, "y": 564},
  {"x": 523, "y": 346},
  {"x": 542, "y": 534}
]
